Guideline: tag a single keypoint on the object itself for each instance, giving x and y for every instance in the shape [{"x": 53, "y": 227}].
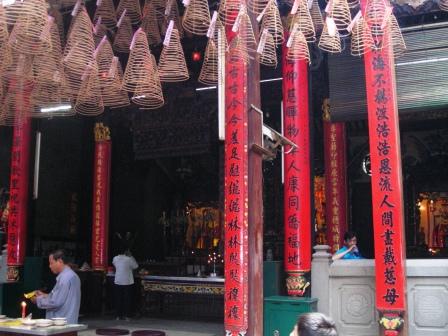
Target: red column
[
  {"x": 335, "y": 183},
  {"x": 387, "y": 186},
  {"x": 101, "y": 191},
  {"x": 297, "y": 172},
  {"x": 18, "y": 202}
]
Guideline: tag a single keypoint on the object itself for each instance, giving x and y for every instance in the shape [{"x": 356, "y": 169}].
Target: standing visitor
[
  {"x": 314, "y": 324},
  {"x": 350, "y": 250}
]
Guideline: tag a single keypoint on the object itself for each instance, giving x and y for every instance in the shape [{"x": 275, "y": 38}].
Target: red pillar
[
  {"x": 18, "y": 202},
  {"x": 297, "y": 173},
  {"x": 335, "y": 181},
  {"x": 101, "y": 196},
  {"x": 387, "y": 185}
]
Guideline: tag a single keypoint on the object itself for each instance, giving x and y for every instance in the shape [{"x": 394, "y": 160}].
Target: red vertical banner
[
  {"x": 18, "y": 201},
  {"x": 335, "y": 183},
  {"x": 297, "y": 173},
  {"x": 236, "y": 197},
  {"x": 101, "y": 191},
  {"x": 387, "y": 184}
]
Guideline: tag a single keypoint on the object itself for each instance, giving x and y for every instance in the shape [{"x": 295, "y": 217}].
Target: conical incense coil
[
  {"x": 172, "y": 14},
  {"x": 20, "y": 68},
  {"x": 138, "y": 63},
  {"x": 90, "y": 101},
  {"x": 59, "y": 21},
  {"x": 243, "y": 28},
  {"x": 257, "y": 6},
  {"x": 29, "y": 9},
  {"x": 362, "y": 40},
  {"x": 330, "y": 41},
  {"x": 5, "y": 51},
  {"x": 106, "y": 10},
  {"x": 172, "y": 66},
  {"x": 392, "y": 29},
  {"x": 316, "y": 16},
  {"x": 47, "y": 96},
  {"x": 196, "y": 19},
  {"x": 150, "y": 24},
  {"x": 209, "y": 70},
  {"x": 302, "y": 19},
  {"x": 266, "y": 49},
  {"x": 133, "y": 10},
  {"x": 228, "y": 11},
  {"x": 74, "y": 81},
  {"x": 375, "y": 13},
  {"x": 31, "y": 33},
  {"x": 123, "y": 38},
  {"x": 16, "y": 105},
  {"x": 80, "y": 45},
  {"x": 273, "y": 23},
  {"x": 297, "y": 47},
  {"x": 149, "y": 95},
  {"x": 443, "y": 4},
  {"x": 238, "y": 50},
  {"x": 340, "y": 12},
  {"x": 99, "y": 31}
]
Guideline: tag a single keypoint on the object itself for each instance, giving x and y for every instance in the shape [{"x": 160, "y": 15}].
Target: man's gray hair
[{"x": 316, "y": 324}]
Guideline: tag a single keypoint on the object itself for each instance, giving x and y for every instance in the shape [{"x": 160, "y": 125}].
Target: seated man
[
  {"x": 350, "y": 250},
  {"x": 314, "y": 324}
]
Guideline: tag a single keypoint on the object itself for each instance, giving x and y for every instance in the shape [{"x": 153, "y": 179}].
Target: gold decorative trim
[
  {"x": 185, "y": 288},
  {"x": 326, "y": 116},
  {"x": 102, "y": 133}
]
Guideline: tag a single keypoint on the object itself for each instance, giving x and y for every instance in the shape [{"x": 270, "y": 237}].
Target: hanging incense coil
[
  {"x": 443, "y": 4},
  {"x": 304, "y": 22},
  {"x": 273, "y": 22},
  {"x": 139, "y": 65},
  {"x": 392, "y": 30},
  {"x": 106, "y": 10},
  {"x": 148, "y": 94},
  {"x": 209, "y": 70},
  {"x": 133, "y": 10},
  {"x": 150, "y": 24},
  {"x": 123, "y": 38},
  {"x": 257, "y": 6},
  {"x": 238, "y": 49},
  {"x": 74, "y": 81},
  {"x": 172, "y": 65},
  {"x": 5, "y": 51},
  {"x": 246, "y": 33},
  {"x": 14, "y": 10},
  {"x": 362, "y": 40},
  {"x": 268, "y": 54},
  {"x": 80, "y": 44},
  {"x": 59, "y": 21},
  {"x": 228, "y": 11},
  {"x": 375, "y": 14},
  {"x": 99, "y": 31},
  {"x": 89, "y": 101},
  {"x": 297, "y": 47},
  {"x": 47, "y": 95},
  {"x": 330, "y": 42},
  {"x": 16, "y": 104},
  {"x": 340, "y": 12},
  {"x": 316, "y": 16},
  {"x": 172, "y": 14},
  {"x": 20, "y": 68},
  {"x": 197, "y": 17},
  {"x": 110, "y": 77}
]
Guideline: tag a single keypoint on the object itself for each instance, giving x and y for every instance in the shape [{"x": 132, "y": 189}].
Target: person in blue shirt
[
  {"x": 65, "y": 298},
  {"x": 350, "y": 250}
]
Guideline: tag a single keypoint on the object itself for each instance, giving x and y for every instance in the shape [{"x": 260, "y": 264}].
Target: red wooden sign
[
  {"x": 101, "y": 196},
  {"x": 387, "y": 188},
  {"x": 297, "y": 169},
  {"x": 335, "y": 184},
  {"x": 236, "y": 197}
]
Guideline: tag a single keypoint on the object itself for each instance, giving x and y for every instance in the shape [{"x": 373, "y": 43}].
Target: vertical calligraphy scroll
[
  {"x": 18, "y": 202},
  {"x": 297, "y": 172},
  {"x": 335, "y": 182},
  {"x": 101, "y": 191},
  {"x": 387, "y": 185},
  {"x": 236, "y": 197}
]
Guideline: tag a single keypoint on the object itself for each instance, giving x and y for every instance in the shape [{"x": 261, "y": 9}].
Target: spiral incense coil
[
  {"x": 172, "y": 65},
  {"x": 80, "y": 44},
  {"x": 268, "y": 56},
  {"x": 304, "y": 22},
  {"x": 297, "y": 47},
  {"x": 133, "y": 10},
  {"x": 89, "y": 101},
  {"x": 257, "y": 6},
  {"x": 148, "y": 94},
  {"x": 375, "y": 13},
  {"x": 273, "y": 22},
  {"x": 330, "y": 43},
  {"x": 362, "y": 40},
  {"x": 110, "y": 77},
  {"x": 20, "y": 69},
  {"x": 209, "y": 70},
  {"x": 123, "y": 38},
  {"x": 59, "y": 21},
  {"x": 172, "y": 14},
  {"x": 392, "y": 29},
  {"x": 228, "y": 11},
  {"x": 150, "y": 24},
  {"x": 443, "y": 4},
  {"x": 316, "y": 16},
  {"x": 246, "y": 33},
  {"x": 16, "y": 104},
  {"x": 5, "y": 51},
  {"x": 340, "y": 12},
  {"x": 47, "y": 95},
  {"x": 238, "y": 50},
  {"x": 74, "y": 81},
  {"x": 139, "y": 65},
  {"x": 99, "y": 31},
  {"x": 106, "y": 10},
  {"x": 196, "y": 18}
]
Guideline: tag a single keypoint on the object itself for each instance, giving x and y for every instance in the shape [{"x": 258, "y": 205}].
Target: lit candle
[{"x": 23, "y": 309}]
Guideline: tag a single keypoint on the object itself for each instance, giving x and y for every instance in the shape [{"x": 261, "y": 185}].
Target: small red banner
[
  {"x": 335, "y": 184},
  {"x": 387, "y": 187},
  {"x": 101, "y": 191},
  {"x": 297, "y": 168},
  {"x": 18, "y": 193},
  {"x": 236, "y": 197}
]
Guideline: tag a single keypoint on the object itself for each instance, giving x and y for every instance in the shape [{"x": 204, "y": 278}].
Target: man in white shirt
[{"x": 124, "y": 264}]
